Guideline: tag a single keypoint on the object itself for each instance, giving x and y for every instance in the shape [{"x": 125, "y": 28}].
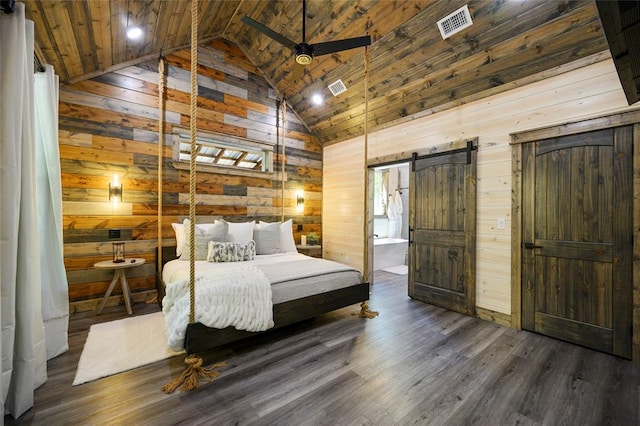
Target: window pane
[{"x": 212, "y": 152}]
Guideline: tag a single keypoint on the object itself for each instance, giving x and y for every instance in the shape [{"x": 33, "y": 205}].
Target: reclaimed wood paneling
[
  {"x": 411, "y": 68},
  {"x": 108, "y": 126}
]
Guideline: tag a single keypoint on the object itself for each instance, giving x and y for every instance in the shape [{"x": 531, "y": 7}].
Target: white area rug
[
  {"x": 399, "y": 269},
  {"x": 117, "y": 346}
]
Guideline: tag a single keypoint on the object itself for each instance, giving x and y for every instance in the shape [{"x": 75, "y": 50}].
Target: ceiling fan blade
[
  {"x": 269, "y": 32},
  {"x": 340, "y": 45}
]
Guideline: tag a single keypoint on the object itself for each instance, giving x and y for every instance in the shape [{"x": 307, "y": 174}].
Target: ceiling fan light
[
  {"x": 304, "y": 54},
  {"x": 303, "y": 59}
]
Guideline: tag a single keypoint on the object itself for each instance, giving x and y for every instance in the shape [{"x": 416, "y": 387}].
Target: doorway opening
[{"x": 391, "y": 218}]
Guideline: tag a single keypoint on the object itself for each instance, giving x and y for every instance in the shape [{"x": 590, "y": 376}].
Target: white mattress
[{"x": 296, "y": 286}]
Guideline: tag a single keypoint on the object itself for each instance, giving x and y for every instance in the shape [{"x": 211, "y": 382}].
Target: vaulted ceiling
[{"x": 412, "y": 70}]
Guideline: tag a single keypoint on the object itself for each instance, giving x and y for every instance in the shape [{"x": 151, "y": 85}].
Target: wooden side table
[
  {"x": 310, "y": 250},
  {"x": 119, "y": 274}
]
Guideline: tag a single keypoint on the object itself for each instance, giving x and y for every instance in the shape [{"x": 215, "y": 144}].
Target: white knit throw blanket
[{"x": 237, "y": 296}]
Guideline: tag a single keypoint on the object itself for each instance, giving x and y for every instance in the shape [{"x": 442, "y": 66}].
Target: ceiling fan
[{"x": 304, "y": 52}]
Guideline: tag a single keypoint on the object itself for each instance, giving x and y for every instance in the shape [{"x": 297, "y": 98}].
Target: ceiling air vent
[
  {"x": 455, "y": 22},
  {"x": 337, "y": 87}
]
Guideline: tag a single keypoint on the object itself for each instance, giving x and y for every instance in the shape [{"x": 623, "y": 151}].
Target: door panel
[
  {"x": 442, "y": 246},
  {"x": 577, "y": 227}
]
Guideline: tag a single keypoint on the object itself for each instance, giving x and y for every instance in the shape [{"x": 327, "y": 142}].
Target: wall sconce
[
  {"x": 300, "y": 201},
  {"x": 115, "y": 190},
  {"x": 118, "y": 252}
]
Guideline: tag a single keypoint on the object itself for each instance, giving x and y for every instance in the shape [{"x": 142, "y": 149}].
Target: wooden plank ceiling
[{"x": 412, "y": 69}]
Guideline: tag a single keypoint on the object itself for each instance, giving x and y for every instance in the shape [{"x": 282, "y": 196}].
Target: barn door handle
[{"x": 530, "y": 246}]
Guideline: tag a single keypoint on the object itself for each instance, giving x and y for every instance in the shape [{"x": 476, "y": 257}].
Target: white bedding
[
  {"x": 237, "y": 297},
  {"x": 176, "y": 269},
  {"x": 288, "y": 276}
]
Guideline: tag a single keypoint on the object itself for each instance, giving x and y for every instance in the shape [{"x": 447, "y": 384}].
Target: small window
[{"x": 225, "y": 151}]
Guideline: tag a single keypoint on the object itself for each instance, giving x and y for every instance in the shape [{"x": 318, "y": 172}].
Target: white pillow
[
  {"x": 206, "y": 226},
  {"x": 287, "y": 244},
  {"x": 216, "y": 232},
  {"x": 267, "y": 238},
  {"x": 178, "y": 228},
  {"x": 240, "y": 232}
]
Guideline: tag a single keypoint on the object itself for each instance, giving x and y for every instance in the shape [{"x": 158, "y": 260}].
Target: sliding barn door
[
  {"x": 577, "y": 238},
  {"x": 443, "y": 229}
]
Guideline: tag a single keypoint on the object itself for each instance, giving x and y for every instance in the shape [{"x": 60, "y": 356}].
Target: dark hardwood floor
[{"x": 414, "y": 364}]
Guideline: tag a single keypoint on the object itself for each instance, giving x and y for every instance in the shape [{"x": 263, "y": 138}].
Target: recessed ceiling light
[
  {"x": 134, "y": 33},
  {"x": 317, "y": 99}
]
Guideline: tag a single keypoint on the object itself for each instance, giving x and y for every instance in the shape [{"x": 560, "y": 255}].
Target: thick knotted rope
[
  {"x": 161, "y": 77},
  {"x": 283, "y": 160},
  {"x": 192, "y": 161},
  {"x": 365, "y": 312},
  {"x": 191, "y": 376}
]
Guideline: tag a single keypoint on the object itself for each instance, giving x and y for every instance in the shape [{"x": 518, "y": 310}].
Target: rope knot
[
  {"x": 193, "y": 361},
  {"x": 191, "y": 376}
]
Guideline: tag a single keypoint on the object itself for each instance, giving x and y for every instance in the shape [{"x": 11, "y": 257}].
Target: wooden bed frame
[{"x": 200, "y": 338}]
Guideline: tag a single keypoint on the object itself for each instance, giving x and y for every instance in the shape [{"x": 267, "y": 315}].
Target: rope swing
[
  {"x": 283, "y": 160},
  {"x": 161, "y": 84},
  {"x": 365, "y": 312},
  {"x": 193, "y": 112},
  {"x": 194, "y": 372}
]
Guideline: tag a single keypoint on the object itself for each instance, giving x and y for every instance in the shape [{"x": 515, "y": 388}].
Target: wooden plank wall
[
  {"x": 344, "y": 202},
  {"x": 590, "y": 91},
  {"x": 108, "y": 125}
]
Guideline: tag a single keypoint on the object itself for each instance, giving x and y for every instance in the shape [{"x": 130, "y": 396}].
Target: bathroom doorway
[{"x": 391, "y": 218}]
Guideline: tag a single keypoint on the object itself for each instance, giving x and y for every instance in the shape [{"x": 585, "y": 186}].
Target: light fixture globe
[
  {"x": 304, "y": 54},
  {"x": 134, "y": 33},
  {"x": 317, "y": 99}
]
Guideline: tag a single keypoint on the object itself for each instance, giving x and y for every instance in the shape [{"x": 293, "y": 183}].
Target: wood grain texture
[
  {"x": 414, "y": 364},
  {"x": 343, "y": 185},
  {"x": 442, "y": 252},
  {"x": 412, "y": 70},
  {"x": 108, "y": 126},
  {"x": 566, "y": 101},
  {"x": 579, "y": 277}
]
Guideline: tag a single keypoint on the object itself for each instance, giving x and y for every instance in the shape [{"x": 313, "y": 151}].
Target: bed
[{"x": 302, "y": 288}]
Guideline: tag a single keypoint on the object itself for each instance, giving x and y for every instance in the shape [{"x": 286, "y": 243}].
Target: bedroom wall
[
  {"x": 590, "y": 91},
  {"x": 108, "y": 125}
]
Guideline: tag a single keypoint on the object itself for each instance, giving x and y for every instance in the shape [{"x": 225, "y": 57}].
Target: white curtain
[
  {"x": 55, "y": 289},
  {"x": 22, "y": 344}
]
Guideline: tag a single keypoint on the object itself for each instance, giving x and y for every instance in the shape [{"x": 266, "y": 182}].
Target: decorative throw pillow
[
  {"x": 217, "y": 232},
  {"x": 287, "y": 243},
  {"x": 178, "y": 228},
  {"x": 267, "y": 238},
  {"x": 231, "y": 252},
  {"x": 240, "y": 232}
]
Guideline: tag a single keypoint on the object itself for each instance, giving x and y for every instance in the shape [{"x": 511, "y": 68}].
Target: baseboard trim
[
  {"x": 92, "y": 304},
  {"x": 493, "y": 316}
]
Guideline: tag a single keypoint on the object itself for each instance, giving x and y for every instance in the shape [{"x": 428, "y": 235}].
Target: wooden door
[
  {"x": 443, "y": 229},
  {"x": 577, "y": 238}
]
